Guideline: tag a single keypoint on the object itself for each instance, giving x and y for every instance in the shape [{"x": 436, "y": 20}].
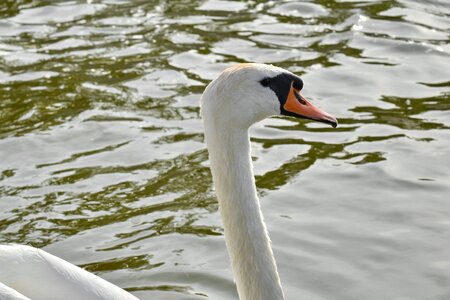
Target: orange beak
[{"x": 298, "y": 106}]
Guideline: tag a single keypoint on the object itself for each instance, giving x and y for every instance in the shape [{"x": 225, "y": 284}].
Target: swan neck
[{"x": 246, "y": 236}]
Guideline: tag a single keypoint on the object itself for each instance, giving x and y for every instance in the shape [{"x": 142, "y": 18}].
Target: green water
[{"x": 102, "y": 160}]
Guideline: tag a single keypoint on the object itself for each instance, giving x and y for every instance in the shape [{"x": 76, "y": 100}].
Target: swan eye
[{"x": 265, "y": 82}]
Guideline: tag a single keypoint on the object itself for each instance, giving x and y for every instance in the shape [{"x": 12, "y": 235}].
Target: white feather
[
  {"x": 41, "y": 276},
  {"x": 230, "y": 105},
  {"x": 7, "y": 293}
]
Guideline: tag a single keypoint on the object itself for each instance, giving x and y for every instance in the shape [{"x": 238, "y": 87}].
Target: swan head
[{"x": 247, "y": 93}]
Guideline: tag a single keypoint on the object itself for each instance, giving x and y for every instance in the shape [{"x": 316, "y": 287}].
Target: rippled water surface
[{"x": 102, "y": 160}]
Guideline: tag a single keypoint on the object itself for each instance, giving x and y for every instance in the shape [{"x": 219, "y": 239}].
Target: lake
[{"x": 102, "y": 159}]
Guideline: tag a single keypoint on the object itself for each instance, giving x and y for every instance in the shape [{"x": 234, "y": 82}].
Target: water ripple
[{"x": 102, "y": 159}]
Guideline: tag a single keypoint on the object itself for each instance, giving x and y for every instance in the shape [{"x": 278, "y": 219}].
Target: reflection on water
[{"x": 102, "y": 160}]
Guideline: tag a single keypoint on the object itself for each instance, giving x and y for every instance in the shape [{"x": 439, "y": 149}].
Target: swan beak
[{"x": 296, "y": 105}]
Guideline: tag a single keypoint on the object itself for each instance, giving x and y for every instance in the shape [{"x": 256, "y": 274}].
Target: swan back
[
  {"x": 7, "y": 293},
  {"x": 42, "y": 276}
]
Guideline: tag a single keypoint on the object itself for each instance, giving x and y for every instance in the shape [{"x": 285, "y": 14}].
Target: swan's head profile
[{"x": 247, "y": 93}]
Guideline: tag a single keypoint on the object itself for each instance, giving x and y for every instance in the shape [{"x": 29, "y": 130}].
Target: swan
[{"x": 239, "y": 97}]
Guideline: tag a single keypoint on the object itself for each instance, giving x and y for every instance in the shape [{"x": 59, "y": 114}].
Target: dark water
[{"x": 102, "y": 160}]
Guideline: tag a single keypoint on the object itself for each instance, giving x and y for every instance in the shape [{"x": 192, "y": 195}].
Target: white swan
[{"x": 239, "y": 97}]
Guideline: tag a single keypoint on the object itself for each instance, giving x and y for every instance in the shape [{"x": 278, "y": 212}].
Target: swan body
[
  {"x": 241, "y": 96},
  {"x": 38, "y": 275},
  {"x": 7, "y": 293}
]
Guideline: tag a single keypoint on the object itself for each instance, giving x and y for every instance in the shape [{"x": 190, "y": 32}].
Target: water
[{"x": 102, "y": 160}]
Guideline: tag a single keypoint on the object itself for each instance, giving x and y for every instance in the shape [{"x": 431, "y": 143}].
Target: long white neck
[{"x": 246, "y": 236}]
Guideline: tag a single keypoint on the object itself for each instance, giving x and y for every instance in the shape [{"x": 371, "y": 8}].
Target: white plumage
[
  {"x": 39, "y": 275},
  {"x": 230, "y": 105},
  {"x": 7, "y": 293},
  {"x": 241, "y": 96}
]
